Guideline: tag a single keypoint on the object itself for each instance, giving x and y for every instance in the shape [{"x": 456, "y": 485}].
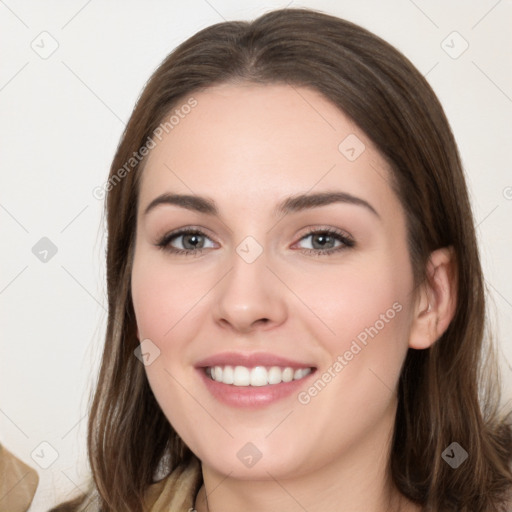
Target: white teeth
[
  {"x": 257, "y": 376},
  {"x": 228, "y": 376},
  {"x": 287, "y": 375},
  {"x": 274, "y": 375},
  {"x": 241, "y": 376}
]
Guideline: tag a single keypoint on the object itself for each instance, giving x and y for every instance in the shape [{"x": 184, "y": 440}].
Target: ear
[{"x": 436, "y": 300}]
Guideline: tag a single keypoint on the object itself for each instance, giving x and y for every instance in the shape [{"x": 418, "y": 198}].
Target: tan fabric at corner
[
  {"x": 18, "y": 483},
  {"x": 177, "y": 492}
]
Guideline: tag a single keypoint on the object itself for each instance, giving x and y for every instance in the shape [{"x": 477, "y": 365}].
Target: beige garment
[
  {"x": 177, "y": 492},
  {"x": 18, "y": 483}
]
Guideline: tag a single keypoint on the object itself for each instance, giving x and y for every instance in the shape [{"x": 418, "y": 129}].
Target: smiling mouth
[{"x": 257, "y": 376}]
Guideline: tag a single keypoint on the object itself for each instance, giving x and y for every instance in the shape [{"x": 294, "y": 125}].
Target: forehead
[{"x": 253, "y": 142}]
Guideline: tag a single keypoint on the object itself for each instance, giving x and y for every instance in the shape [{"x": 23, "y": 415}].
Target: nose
[{"x": 250, "y": 296}]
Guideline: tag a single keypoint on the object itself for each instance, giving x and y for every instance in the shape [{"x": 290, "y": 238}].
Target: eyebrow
[{"x": 291, "y": 204}]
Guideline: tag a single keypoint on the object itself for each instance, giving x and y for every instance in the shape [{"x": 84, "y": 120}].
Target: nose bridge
[
  {"x": 247, "y": 294},
  {"x": 251, "y": 249},
  {"x": 247, "y": 278}
]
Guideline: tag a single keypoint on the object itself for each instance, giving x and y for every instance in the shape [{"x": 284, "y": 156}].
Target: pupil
[
  {"x": 325, "y": 239},
  {"x": 194, "y": 237}
]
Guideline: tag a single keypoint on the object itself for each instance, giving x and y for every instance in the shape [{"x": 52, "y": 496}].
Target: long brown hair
[{"x": 446, "y": 393}]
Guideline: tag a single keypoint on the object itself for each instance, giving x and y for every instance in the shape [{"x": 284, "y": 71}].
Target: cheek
[
  {"x": 161, "y": 297},
  {"x": 161, "y": 303},
  {"x": 165, "y": 304},
  {"x": 367, "y": 310},
  {"x": 353, "y": 298}
]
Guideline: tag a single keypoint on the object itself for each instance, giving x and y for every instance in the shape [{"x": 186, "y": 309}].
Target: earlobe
[{"x": 435, "y": 307}]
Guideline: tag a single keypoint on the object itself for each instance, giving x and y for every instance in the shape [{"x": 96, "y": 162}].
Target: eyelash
[{"x": 347, "y": 242}]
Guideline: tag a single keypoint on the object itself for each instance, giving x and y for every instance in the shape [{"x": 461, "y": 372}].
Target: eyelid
[
  {"x": 167, "y": 236},
  {"x": 314, "y": 228}
]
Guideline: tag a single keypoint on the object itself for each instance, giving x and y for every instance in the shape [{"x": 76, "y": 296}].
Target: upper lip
[{"x": 250, "y": 360}]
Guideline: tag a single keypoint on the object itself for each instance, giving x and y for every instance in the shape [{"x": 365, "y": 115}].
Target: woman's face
[{"x": 266, "y": 297}]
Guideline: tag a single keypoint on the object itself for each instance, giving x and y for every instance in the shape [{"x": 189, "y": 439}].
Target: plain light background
[{"x": 61, "y": 117}]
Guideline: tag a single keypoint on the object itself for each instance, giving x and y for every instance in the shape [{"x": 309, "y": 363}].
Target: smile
[{"x": 257, "y": 376}]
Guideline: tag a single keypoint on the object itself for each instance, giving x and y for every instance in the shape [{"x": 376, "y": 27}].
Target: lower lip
[{"x": 252, "y": 396}]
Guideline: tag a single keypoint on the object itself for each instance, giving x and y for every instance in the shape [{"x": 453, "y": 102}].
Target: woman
[{"x": 245, "y": 370}]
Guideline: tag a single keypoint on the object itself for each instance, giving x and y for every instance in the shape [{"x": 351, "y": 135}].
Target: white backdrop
[{"x": 69, "y": 78}]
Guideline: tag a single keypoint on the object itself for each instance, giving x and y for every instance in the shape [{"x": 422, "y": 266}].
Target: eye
[
  {"x": 324, "y": 240},
  {"x": 192, "y": 241}
]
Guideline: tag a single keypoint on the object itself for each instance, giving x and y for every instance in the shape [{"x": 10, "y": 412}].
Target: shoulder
[
  {"x": 176, "y": 492},
  {"x": 18, "y": 482}
]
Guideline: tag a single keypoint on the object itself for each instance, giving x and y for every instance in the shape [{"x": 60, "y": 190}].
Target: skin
[{"x": 248, "y": 147}]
